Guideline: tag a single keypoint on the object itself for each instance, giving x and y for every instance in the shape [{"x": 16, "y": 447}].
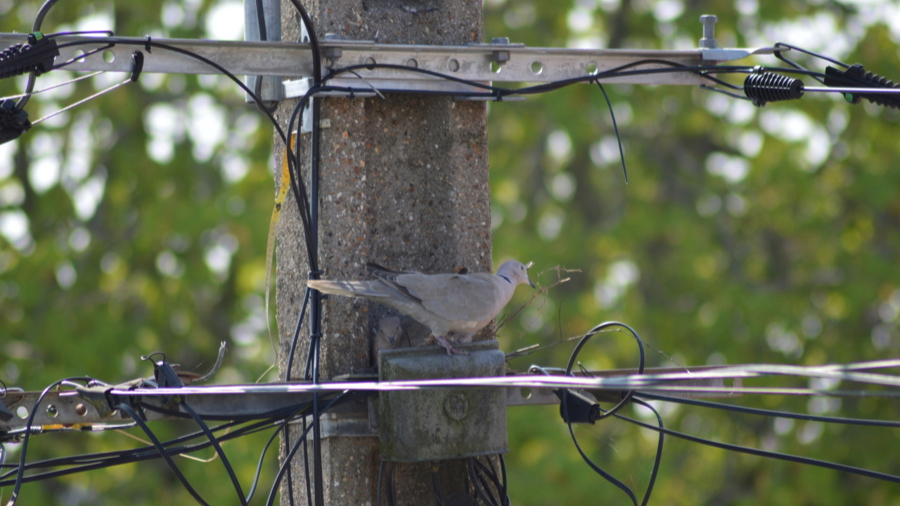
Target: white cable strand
[
  {"x": 59, "y": 85},
  {"x": 647, "y": 382}
]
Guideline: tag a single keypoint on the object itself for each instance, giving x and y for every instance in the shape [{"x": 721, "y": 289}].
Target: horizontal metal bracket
[
  {"x": 89, "y": 408},
  {"x": 483, "y": 63}
]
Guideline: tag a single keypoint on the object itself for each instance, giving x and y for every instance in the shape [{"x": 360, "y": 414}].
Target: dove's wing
[{"x": 459, "y": 297}]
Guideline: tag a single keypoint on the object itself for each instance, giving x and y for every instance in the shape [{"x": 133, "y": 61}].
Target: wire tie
[{"x": 147, "y": 45}]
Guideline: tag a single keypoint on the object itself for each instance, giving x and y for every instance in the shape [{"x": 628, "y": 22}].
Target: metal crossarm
[
  {"x": 80, "y": 409},
  {"x": 498, "y": 63}
]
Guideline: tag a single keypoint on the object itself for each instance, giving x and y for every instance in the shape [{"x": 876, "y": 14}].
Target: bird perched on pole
[{"x": 453, "y": 306}]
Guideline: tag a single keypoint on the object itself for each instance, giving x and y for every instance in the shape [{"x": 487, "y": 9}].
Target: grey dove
[{"x": 453, "y": 306}]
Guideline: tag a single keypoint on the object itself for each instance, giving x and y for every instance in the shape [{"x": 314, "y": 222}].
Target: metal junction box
[{"x": 442, "y": 423}]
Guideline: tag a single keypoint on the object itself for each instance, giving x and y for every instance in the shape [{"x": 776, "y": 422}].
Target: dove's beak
[{"x": 528, "y": 266}]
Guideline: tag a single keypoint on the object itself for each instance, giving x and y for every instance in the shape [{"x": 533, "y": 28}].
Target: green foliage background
[{"x": 744, "y": 235}]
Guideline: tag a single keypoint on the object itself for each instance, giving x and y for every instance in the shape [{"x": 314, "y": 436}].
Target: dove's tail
[{"x": 347, "y": 288}]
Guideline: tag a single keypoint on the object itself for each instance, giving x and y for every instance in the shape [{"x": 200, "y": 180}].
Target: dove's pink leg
[{"x": 449, "y": 347}]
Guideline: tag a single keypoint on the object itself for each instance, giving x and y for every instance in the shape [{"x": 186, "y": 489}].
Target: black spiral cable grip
[
  {"x": 766, "y": 87},
  {"x": 35, "y": 55},
  {"x": 856, "y": 77}
]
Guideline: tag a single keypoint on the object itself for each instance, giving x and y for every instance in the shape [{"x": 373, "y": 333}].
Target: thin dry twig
[
  {"x": 559, "y": 270},
  {"x": 189, "y": 457},
  {"x": 541, "y": 290}
]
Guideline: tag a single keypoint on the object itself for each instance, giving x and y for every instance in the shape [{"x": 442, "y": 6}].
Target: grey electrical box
[{"x": 444, "y": 423}]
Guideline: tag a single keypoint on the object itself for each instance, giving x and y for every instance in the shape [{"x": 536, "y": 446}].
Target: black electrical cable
[
  {"x": 483, "y": 478},
  {"x": 811, "y": 53},
  {"x": 106, "y": 455},
  {"x": 659, "y": 449},
  {"x": 594, "y": 331},
  {"x": 768, "y": 454},
  {"x": 780, "y": 56},
  {"x": 312, "y": 246},
  {"x": 81, "y": 56},
  {"x": 221, "y": 69},
  {"x": 709, "y": 77},
  {"x": 771, "y": 412},
  {"x": 261, "y": 21},
  {"x": 491, "y": 473},
  {"x": 285, "y": 466},
  {"x": 703, "y": 71},
  {"x": 303, "y": 209},
  {"x": 728, "y": 93},
  {"x": 20, "y": 473},
  {"x": 263, "y": 36},
  {"x": 299, "y": 195},
  {"x": 306, "y": 481},
  {"x": 92, "y": 462},
  {"x": 380, "y": 482},
  {"x": 162, "y": 451},
  {"x": 313, "y": 41},
  {"x": 265, "y": 449},
  {"x": 612, "y": 115},
  {"x": 259, "y": 464},
  {"x": 627, "y": 397},
  {"x": 212, "y": 439},
  {"x": 32, "y": 77},
  {"x": 296, "y": 336},
  {"x": 105, "y": 459},
  {"x": 505, "y": 491},
  {"x": 491, "y": 91},
  {"x": 479, "y": 485},
  {"x": 116, "y": 458},
  {"x": 273, "y": 414},
  {"x": 386, "y": 478},
  {"x": 298, "y": 186}
]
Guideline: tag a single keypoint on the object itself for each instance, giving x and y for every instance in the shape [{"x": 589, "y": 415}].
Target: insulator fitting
[
  {"x": 857, "y": 77},
  {"x": 767, "y": 87},
  {"x": 36, "y": 55},
  {"x": 13, "y": 122}
]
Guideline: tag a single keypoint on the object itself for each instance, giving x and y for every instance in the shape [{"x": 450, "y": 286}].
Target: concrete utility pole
[{"x": 404, "y": 182}]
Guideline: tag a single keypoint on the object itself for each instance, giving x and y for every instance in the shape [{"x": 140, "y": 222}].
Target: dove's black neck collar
[{"x": 504, "y": 277}]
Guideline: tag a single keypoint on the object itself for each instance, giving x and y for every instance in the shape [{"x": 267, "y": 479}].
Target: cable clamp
[
  {"x": 137, "y": 60},
  {"x": 36, "y": 55},
  {"x": 577, "y": 406},
  {"x": 13, "y": 123},
  {"x": 165, "y": 376}
]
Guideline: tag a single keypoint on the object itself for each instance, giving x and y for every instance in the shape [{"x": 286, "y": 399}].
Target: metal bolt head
[
  {"x": 500, "y": 40},
  {"x": 709, "y": 31}
]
